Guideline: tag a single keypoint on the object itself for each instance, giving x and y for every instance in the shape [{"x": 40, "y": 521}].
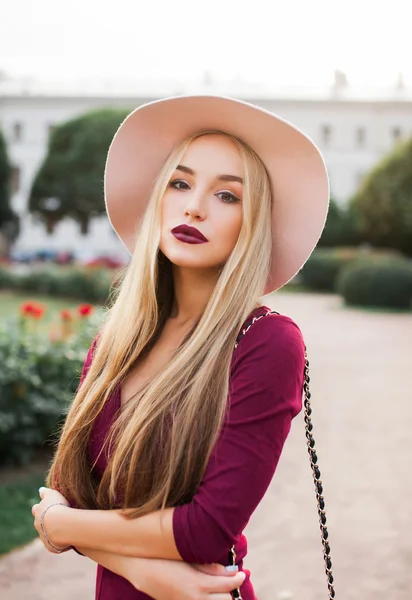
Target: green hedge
[
  {"x": 321, "y": 272},
  {"x": 89, "y": 284},
  {"x": 6, "y": 279},
  {"x": 379, "y": 283},
  {"x": 37, "y": 380}
]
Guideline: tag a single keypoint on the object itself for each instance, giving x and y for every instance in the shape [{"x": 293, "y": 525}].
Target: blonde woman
[{"x": 188, "y": 391}]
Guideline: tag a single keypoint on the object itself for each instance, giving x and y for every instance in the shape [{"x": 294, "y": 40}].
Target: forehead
[{"x": 213, "y": 152}]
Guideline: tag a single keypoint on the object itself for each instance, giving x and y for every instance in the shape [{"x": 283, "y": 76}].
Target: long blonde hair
[{"x": 162, "y": 440}]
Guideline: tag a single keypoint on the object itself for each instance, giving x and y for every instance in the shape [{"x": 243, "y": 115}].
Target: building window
[
  {"x": 396, "y": 133},
  {"x": 17, "y": 132},
  {"x": 15, "y": 176},
  {"x": 360, "y": 137},
  {"x": 326, "y": 133}
]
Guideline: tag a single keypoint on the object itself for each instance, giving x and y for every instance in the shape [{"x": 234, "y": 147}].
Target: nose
[{"x": 195, "y": 206}]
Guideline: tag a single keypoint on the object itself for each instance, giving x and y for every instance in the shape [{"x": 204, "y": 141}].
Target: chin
[
  {"x": 185, "y": 259},
  {"x": 179, "y": 252},
  {"x": 189, "y": 263}
]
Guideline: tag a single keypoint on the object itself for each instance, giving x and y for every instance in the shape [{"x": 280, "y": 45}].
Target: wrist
[
  {"x": 55, "y": 525},
  {"x": 136, "y": 571}
]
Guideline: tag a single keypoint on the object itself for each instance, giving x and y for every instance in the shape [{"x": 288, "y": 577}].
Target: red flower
[
  {"x": 85, "y": 310},
  {"x": 66, "y": 315},
  {"x": 38, "y": 311},
  {"x": 27, "y": 308},
  {"x": 32, "y": 309}
]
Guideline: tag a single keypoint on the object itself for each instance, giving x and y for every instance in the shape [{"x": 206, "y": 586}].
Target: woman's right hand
[{"x": 175, "y": 580}]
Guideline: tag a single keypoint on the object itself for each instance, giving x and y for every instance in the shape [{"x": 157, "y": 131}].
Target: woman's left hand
[{"x": 48, "y": 497}]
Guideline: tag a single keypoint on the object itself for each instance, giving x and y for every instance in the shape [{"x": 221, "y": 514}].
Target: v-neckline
[{"x": 117, "y": 392}]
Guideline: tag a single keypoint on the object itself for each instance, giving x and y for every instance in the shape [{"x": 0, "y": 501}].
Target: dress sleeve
[{"x": 265, "y": 394}]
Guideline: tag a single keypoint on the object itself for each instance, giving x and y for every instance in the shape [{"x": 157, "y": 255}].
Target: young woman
[{"x": 188, "y": 391}]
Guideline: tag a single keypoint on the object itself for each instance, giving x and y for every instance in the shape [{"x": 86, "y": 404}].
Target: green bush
[
  {"x": 87, "y": 284},
  {"x": 321, "y": 272},
  {"x": 42, "y": 281},
  {"x": 6, "y": 279},
  {"x": 340, "y": 227},
  {"x": 91, "y": 285},
  {"x": 382, "y": 206},
  {"x": 381, "y": 283},
  {"x": 38, "y": 378}
]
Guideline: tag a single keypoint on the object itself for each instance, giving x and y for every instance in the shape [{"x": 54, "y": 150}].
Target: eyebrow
[{"x": 219, "y": 178}]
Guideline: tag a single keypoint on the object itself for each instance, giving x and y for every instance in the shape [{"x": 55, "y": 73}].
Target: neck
[{"x": 193, "y": 288}]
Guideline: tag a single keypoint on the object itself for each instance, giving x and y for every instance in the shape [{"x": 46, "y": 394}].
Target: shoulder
[
  {"x": 271, "y": 337},
  {"x": 268, "y": 366}
]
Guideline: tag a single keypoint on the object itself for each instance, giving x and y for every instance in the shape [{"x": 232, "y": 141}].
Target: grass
[
  {"x": 16, "y": 520},
  {"x": 10, "y": 303}
]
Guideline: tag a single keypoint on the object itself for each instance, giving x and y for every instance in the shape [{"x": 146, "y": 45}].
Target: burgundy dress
[{"x": 266, "y": 381}]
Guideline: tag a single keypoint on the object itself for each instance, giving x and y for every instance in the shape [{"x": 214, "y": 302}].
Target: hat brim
[{"x": 297, "y": 172}]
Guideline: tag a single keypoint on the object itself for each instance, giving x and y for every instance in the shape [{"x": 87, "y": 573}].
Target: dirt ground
[{"x": 361, "y": 365}]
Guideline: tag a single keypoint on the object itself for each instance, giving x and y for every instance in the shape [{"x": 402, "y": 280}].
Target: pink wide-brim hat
[{"x": 297, "y": 172}]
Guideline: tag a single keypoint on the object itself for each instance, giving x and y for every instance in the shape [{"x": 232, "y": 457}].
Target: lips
[{"x": 188, "y": 234}]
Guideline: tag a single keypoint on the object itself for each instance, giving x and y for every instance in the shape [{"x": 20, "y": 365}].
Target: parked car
[{"x": 108, "y": 262}]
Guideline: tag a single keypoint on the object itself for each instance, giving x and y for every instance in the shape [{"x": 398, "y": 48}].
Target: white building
[{"x": 352, "y": 128}]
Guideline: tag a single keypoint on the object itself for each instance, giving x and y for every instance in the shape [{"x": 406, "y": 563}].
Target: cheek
[
  {"x": 227, "y": 232},
  {"x": 233, "y": 226}
]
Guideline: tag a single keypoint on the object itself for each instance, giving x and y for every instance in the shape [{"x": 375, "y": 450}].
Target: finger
[
  {"x": 42, "y": 490},
  {"x": 214, "y": 569},
  {"x": 34, "y": 508},
  {"x": 224, "y": 584}
]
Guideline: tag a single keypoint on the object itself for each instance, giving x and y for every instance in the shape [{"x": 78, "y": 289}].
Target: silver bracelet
[{"x": 58, "y": 550}]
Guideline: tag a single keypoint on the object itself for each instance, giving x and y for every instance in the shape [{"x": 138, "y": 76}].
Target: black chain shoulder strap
[{"x": 313, "y": 463}]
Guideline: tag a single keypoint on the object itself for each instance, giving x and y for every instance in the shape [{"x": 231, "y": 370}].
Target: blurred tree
[
  {"x": 9, "y": 221},
  {"x": 69, "y": 183},
  {"x": 382, "y": 206},
  {"x": 340, "y": 227}
]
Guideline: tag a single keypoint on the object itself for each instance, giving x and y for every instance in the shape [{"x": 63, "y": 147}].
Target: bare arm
[
  {"x": 169, "y": 579},
  {"x": 150, "y": 536},
  {"x": 132, "y": 569}
]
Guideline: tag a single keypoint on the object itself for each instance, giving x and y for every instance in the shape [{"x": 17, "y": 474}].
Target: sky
[{"x": 294, "y": 42}]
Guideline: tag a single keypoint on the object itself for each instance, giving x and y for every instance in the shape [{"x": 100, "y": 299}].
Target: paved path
[{"x": 361, "y": 363}]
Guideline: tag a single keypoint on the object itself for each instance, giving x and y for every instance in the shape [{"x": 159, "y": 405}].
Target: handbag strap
[{"x": 313, "y": 459}]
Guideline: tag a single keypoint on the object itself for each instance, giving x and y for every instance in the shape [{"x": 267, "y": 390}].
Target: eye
[
  {"x": 176, "y": 183},
  {"x": 228, "y": 197}
]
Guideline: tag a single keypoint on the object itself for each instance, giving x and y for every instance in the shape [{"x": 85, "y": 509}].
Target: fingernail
[
  {"x": 41, "y": 489},
  {"x": 231, "y": 568}
]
